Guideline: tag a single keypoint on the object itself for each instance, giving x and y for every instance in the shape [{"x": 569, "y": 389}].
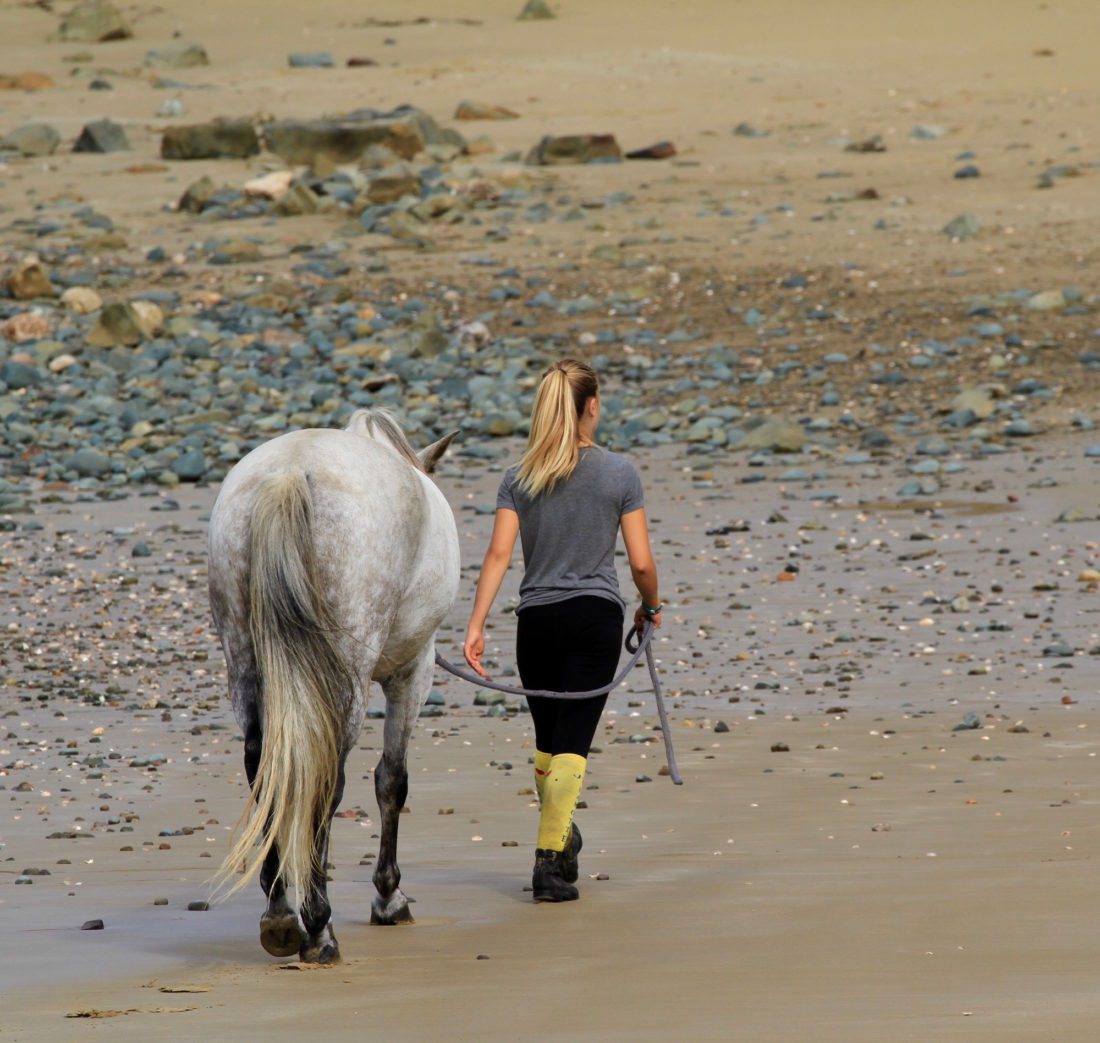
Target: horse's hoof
[
  {"x": 325, "y": 954},
  {"x": 280, "y": 934},
  {"x": 395, "y": 910}
]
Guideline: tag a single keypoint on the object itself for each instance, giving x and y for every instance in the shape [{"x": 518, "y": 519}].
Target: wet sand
[{"x": 885, "y": 877}]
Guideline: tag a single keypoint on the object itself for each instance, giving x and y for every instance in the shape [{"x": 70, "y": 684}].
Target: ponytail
[{"x": 552, "y": 454}]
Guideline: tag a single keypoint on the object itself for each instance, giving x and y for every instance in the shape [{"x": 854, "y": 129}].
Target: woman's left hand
[{"x": 473, "y": 648}]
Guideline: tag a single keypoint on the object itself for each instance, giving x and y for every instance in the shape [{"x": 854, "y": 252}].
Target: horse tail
[{"x": 305, "y": 685}]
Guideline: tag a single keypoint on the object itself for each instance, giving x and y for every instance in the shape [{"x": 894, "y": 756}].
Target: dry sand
[{"x": 886, "y": 878}]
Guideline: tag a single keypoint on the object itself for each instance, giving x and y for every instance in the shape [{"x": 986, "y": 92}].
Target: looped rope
[{"x": 642, "y": 646}]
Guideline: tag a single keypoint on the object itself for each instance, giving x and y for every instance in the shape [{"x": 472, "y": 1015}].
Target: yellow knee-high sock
[
  {"x": 542, "y": 769},
  {"x": 562, "y": 791}
]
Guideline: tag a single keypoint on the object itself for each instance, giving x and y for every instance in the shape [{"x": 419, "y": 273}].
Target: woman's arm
[
  {"x": 642, "y": 566},
  {"x": 497, "y": 559}
]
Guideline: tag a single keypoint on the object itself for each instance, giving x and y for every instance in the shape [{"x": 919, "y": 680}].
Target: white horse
[{"x": 333, "y": 560}]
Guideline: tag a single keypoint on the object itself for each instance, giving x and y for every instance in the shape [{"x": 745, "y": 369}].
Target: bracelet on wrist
[{"x": 651, "y": 611}]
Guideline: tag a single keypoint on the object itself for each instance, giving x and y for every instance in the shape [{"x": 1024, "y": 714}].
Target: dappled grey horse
[{"x": 333, "y": 560}]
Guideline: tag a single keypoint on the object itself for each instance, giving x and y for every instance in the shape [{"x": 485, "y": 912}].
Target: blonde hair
[{"x": 552, "y": 453}]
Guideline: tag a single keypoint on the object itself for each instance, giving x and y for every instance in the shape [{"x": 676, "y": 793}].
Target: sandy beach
[{"x": 883, "y": 701}]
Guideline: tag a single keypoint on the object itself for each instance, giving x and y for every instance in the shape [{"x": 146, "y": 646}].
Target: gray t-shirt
[{"x": 568, "y": 534}]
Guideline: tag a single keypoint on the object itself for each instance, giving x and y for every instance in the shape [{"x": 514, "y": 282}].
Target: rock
[
  {"x": 177, "y": 56},
  {"x": 60, "y": 363},
  {"x": 927, "y": 132},
  {"x": 170, "y": 108},
  {"x": 235, "y": 251},
  {"x": 150, "y": 317},
  {"x": 965, "y": 226},
  {"x": 476, "y": 110},
  {"x": 427, "y": 338},
  {"x": 575, "y": 148},
  {"x": 198, "y": 907},
  {"x": 721, "y": 727},
  {"x": 747, "y": 130},
  {"x": 775, "y": 433},
  {"x": 535, "y": 11},
  {"x": 94, "y": 21},
  {"x": 1093, "y": 450},
  {"x": 661, "y": 150},
  {"x": 310, "y": 60},
  {"x": 388, "y": 188},
  {"x": 88, "y": 463},
  {"x": 19, "y": 375},
  {"x": 298, "y": 201},
  {"x": 197, "y": 196},
  {"x": 92, "y": 925},
  {"x": 29, "y": 280},
  {"x": 970, "y": 722},
  {"x": 269, "y": 186},
  {"x": 119, "y": 324},
  {"x": 32, "y": 139},
  {"x": 871, "y": 144},
  {"x": 301, "y": 142},
  {"x": 1048, "y": 300},
  {"x": 220, "y": 139},
  {"x": 25, "y": 81},
  {"x": 102, "y": 136},
  {"x": 780, "y": 747},
  {"x": 978, "y": 400},
  {"x": 27, "y": 325},
  {"x": 360, "y": 63},
  {"x": 968, "y": 171},
  {"x": 82, "y": 300},
  {"x": 190, "y": 467}
]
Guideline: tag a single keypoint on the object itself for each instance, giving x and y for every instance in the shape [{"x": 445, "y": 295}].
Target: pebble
[
  {"x": 92, "y": 925},
  {"x": 311, "y": 60}
]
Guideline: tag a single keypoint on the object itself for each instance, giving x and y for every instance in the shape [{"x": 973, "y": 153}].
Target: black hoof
[
  {"x": 281, "y": 935},
  {"x": 395, "y": 911},
  {"x": 324, "y": 955}
]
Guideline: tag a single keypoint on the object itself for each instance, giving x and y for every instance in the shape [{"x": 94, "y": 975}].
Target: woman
[{"x": 566, "y": 499}]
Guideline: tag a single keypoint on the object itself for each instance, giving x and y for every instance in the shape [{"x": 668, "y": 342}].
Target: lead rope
[{"x": 643, "y": 645}]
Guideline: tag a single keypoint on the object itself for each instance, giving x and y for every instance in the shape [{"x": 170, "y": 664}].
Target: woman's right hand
[
  {"x": 473, "y": 648},
  {"x": 641, "y": 617}
]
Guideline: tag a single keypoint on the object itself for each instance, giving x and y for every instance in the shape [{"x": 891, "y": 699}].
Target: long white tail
[{"x": 305, "y": 686}]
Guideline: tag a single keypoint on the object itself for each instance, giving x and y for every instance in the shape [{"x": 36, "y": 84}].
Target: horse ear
[{"x": 430, "y": 456}]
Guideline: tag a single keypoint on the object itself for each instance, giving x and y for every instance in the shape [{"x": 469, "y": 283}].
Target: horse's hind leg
[
  {"x": 404, "y": 691},
  {"x": 280, "y": 934},
  {"x": 319, "y": 944}
]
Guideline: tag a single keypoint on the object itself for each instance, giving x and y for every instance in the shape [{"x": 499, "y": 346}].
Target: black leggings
[{"x": 568, "y": 646}]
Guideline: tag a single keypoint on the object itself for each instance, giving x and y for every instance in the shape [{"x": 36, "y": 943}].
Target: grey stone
[
  {"x": 310, "y": 60},
  {"x": 19, "y": 375},
  {"x": 965, "y": 226},
  {"x": 304, "y": 141},
  {"x": 189, "y": 467},
  {"x": 177, "y": 56},
  {"x": 535, "y": 11},
  {"x": 32, "y": 139},
  {"x": 102, "y": 136},
  {"x": 88, "y": 463},
  {"x": 575, "y": 148},
  {"x": 775, "y": 433},
  {"x": 217, "y": 140},
  {"x": 970, "y": 722},
  {"x": 198, "y": 195},
  {"x": 94, "y": 21}
]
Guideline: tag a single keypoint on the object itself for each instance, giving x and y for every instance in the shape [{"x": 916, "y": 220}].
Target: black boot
[
  {"x": 569, "y": 868},
  {"x": 547, "y": 882}
]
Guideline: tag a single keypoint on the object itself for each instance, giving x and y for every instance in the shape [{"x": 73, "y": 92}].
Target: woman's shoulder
[{"x": 618, "y": 464}]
